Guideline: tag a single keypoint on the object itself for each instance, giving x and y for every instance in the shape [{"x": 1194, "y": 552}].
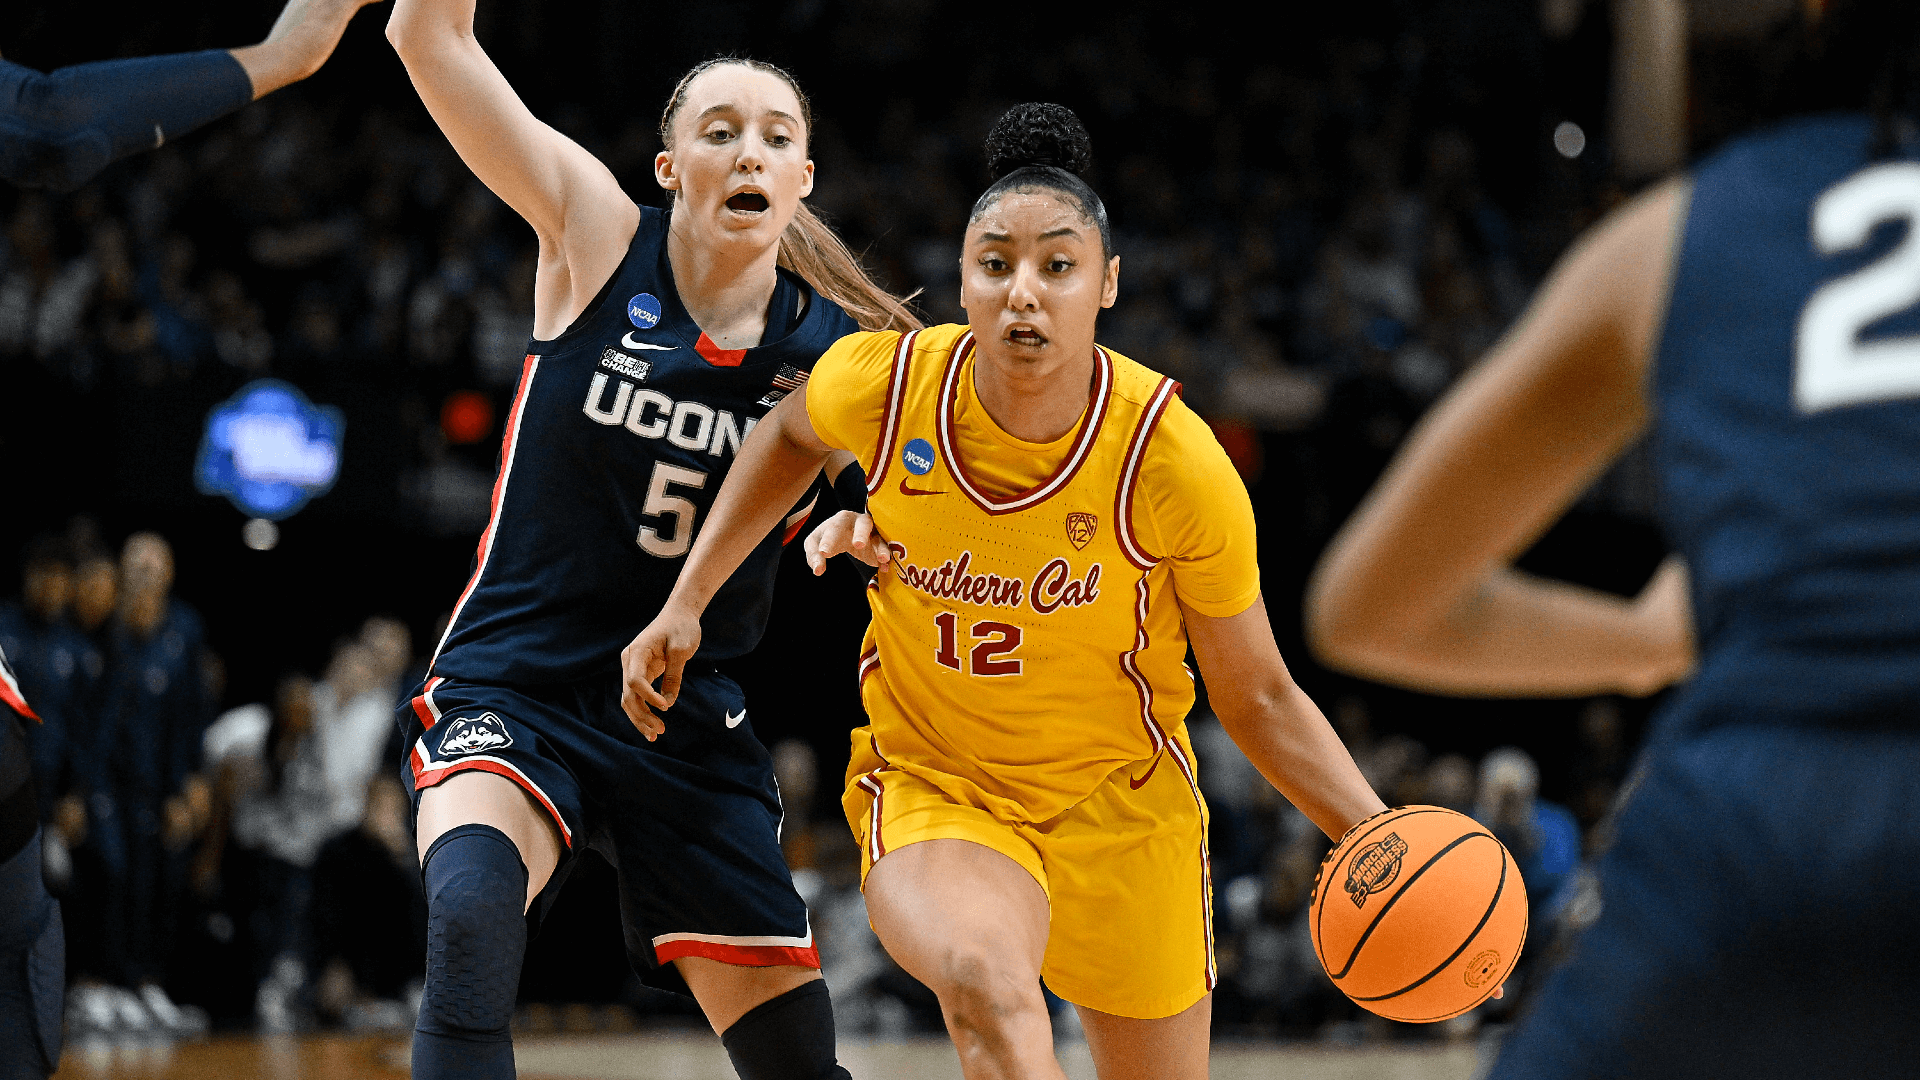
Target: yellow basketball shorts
[{"x": 1124, "y": 870}]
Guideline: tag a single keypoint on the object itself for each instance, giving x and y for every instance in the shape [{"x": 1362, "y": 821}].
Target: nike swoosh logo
[
  {"x": 1142, "y": 782},
  {"x": 733, "y": 720},
  {"x": 905, "y": 490},
  {"x": 630, "y": 343}
]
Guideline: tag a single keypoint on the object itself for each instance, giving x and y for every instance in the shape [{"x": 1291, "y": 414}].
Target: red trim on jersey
[
  {"x": 740, "y": 955},
  {"x": 869, "y": 663},
  {"x": 10, "y": 694},
  {"x": 507, "y": 448},
  {"x": 1156, "y": 736},
  {"x": 716, "y": 355},
  {"x": 890, "y": 418},
  {"x": 1130, "y": 475},
  {"x": 1063, "y": 473},
  {"x": 423, "y": 706},
  {"x": 797, "y": 521},
  {"x": 425, "y": 780}
]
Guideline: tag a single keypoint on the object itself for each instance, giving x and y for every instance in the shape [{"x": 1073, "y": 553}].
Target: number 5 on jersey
[
  {"x": 989, "y": 657},
  {"x": 663, "y": 505}
]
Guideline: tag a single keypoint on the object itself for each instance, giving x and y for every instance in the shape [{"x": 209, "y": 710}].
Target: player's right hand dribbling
[{"x": 661, "y": 651}]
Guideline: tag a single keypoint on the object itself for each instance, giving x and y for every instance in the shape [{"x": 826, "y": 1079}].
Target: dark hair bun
[{"x": 1038, "y": 133}]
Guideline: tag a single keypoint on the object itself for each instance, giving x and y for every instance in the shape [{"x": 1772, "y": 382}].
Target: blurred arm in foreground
[{"x": 58, "y": 130}]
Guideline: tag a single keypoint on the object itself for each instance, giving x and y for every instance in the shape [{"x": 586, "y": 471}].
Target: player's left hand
[
  {"x": 846, "y": 533},
  {"x": 661, "y": 651}
]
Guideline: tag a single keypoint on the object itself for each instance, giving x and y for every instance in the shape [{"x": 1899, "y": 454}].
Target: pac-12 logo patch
[
  {"x": 1374, "y": 867},
  {"x": 474, "y": 734},
  {"x": 644, "y": 310},
  {"x": 1080, "y": 529},
  {"x": 917, "y": 456}
]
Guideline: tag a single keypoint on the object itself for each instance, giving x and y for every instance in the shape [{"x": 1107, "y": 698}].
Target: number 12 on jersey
[{"x": 989, "y": 657}]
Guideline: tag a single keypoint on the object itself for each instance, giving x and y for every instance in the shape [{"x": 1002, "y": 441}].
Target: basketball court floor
[{"x": 691, "y": 1056}]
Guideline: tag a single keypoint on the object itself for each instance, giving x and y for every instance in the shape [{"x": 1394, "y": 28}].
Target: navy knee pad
[
  {"x": 789, "y": 1037},
  {"x": 32, "y": 968},
  {"x": 476, "y": 887}
]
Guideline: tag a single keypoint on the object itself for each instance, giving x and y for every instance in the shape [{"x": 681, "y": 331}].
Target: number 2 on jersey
[
  {"x": 989, "y": 656},
  {"x": 1832, "y": 366}
]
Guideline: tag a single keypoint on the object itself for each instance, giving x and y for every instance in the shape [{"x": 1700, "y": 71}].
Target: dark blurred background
[{"x": 1325, "y": 213}]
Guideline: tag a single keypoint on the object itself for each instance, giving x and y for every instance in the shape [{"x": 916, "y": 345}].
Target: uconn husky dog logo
[{"x": 474, "y": 734}]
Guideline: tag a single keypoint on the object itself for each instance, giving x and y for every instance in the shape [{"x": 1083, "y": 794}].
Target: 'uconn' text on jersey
[{"x": 618, "y": 440}]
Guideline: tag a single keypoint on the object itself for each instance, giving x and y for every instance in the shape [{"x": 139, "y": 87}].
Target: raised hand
[
  {"x": 846, "y": 533},
  {"x": 661, "y": 651}
]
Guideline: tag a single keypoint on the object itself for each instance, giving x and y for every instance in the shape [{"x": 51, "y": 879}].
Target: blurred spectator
[
  {"x": 1543, "y": 836},
  {"x": 369, "y": 917},
  {"x": 52, "y": 662},
  {"x": 144, "y": 803}
]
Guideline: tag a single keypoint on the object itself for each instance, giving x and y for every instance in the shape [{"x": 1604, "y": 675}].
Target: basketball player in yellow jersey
[{"x": 1057, "y": 526}]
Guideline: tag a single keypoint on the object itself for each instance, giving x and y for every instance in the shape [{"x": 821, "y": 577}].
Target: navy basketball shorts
[
  {"x": 690, "y": 822},
  {"x": 1757, "y": 919}
]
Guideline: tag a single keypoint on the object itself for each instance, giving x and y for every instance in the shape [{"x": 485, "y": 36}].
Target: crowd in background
[{"x": 1314, "y": 244}]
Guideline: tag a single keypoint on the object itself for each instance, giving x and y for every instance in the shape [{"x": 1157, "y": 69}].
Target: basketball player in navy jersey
[
  {"x": 659, "y": 340},
  {"x": 1759, "y": 318},
  {"x": 59, "y": 129},
  {"x": 32, "y": 943}
]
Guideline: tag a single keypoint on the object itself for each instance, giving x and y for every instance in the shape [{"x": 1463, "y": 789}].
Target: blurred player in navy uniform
[
  {"x": 59, "y": 130},
  {"x": 50, "y": 660},
  {"x": 32, "y": 943},
  {"x": 1759, "y": 318},
  {"x": 143, "y": 751},
  {"x": 660, "y": 338}
]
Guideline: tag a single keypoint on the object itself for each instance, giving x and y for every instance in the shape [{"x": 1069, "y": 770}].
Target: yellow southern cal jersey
[
  {"x": 1023, "y": 674},
  {"x": 1026, "y": 640}
]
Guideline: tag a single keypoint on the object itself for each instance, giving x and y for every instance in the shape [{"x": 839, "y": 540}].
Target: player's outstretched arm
[
  {"x": 302, "y": 39},
  {"x": 582, "y": 217},
  {"x": 60, "y": 129},
  {"x": 1273, "y": 721},
  {"x": 1419, "y": 588},
  {"x": 776, "y": 464}
]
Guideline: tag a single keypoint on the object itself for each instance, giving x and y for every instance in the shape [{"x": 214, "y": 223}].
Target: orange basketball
[{"x": 1418, "y": 914}]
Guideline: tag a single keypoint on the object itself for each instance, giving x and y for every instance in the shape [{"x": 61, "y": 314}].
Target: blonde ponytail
[
  {"x": 813, "y": 250},
  {"x": 810, "y": 247}
]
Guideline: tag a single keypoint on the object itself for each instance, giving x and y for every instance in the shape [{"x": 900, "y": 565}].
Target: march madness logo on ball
[
  {"x": 1080, "y": 529},
  {"x": 473, "y": 734},
  {"x": 1374, "y": 867}
]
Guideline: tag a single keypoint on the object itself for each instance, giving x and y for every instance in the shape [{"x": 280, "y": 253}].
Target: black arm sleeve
[{"x": 59, "y": 130}]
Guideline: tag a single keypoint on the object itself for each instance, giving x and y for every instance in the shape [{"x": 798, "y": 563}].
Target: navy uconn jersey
[
  {"x": 1788, "y": 430},
  {"x": 618, "y": 440}
]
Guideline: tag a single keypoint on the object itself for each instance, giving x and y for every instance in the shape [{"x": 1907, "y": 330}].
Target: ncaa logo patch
[
  {"x": 1374, "y": 867},
  {"x": 917, "y": 456},
  {"x": 644, "y": 310},
  {"x": 474, "y": 734},
  {"x": 1080, "y": 529}
]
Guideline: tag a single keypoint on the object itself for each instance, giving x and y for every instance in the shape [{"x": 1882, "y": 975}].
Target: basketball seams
[
  {"x": 1499, "y": 889},
  {"x": 1526, "y": 924},
  {"x": 1402, "y": 891},
  {"x": 1390, "y": 817}
]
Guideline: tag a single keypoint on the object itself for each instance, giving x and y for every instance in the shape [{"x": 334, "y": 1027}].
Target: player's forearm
[
  {"x": 771, "y": 474},
  {"x": 416, "y": 26},
  {"x": 302, "y": 39},
  {"x": 1519, "y": 636},
  {"x": 66, "y": 126},
  {"x": 1283, "y": 733}
]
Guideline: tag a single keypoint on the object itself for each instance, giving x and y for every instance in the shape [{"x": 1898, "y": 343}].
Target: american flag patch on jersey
[{"x": 785, "y": 381}]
